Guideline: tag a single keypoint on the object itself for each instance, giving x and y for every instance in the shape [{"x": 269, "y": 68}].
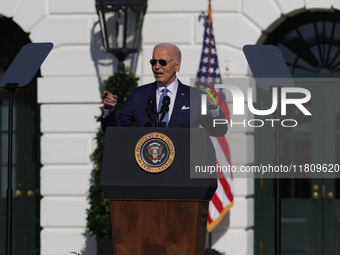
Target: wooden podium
[{"x": 158, "y": 213}]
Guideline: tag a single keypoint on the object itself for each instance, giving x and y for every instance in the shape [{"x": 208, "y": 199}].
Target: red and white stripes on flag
[
  {"x": 209, "y": 74},
  {"x": 223, "y": 198}
]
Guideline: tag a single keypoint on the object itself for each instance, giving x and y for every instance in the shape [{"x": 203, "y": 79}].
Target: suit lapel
[
  {"x": 151, "y": 91},
  {"x": 181, "y": 97}
]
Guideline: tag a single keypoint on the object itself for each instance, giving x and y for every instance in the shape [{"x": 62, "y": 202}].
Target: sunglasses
[{"x": 162, "y": 62}]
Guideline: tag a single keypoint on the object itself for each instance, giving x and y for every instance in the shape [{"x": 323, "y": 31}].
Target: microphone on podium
[
  {"x": 150, "y": 106},
  {"x": 165, "y": 107}
]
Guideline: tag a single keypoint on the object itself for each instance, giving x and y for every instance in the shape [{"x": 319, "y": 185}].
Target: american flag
[{"x": 208, "y": 75}]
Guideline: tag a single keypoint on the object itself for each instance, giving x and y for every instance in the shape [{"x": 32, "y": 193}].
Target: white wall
[
  {"x": 69, "y": 94},
  {"x": 70, "y": 98}
]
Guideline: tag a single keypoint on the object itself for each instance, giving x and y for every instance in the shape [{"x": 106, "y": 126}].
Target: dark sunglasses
[{"x": 162, "y": 62}]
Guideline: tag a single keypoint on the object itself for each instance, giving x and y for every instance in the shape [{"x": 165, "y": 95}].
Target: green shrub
[{"x": 98, "y": 215}]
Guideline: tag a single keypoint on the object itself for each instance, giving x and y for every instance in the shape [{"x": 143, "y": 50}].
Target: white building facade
[{"x": 69, "y": 97}]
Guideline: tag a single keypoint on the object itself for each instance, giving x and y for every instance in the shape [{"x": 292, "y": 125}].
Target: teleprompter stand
[
  {"x": 270, "y": 71},
  {"x": 158, "y": 213},
  {"x": 19, "y": 74}
]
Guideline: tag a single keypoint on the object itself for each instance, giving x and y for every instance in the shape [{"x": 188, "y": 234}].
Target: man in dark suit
[{"x": 185, "y": 101}]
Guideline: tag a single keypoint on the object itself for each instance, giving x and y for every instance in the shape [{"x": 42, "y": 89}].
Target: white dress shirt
[{"x": 171, "y": 93}]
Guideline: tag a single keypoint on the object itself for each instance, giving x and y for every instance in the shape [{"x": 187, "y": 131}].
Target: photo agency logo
[
  {"x": 271, "y": 73},
  {"x": 278, "y": 99}
]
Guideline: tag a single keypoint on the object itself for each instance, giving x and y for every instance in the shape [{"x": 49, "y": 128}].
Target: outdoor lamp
[{"x": 121, "y": 24}]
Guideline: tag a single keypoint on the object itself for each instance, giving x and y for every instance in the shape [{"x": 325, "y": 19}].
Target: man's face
[{"x": 165, "y": 75}]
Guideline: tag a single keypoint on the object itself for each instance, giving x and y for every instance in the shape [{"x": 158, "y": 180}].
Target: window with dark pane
[
  {"x": 337, "y": 188},
  {"x": 310, "y": 43},
  {"x": 302, "y": 188},
  {"x": 285, "y": 187},
  {"x": 294, "y": 188},
  {"x": 337, "y": 131}
]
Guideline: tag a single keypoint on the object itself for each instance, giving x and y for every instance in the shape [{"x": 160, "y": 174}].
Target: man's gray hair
[{"x": 177, "y": 51}]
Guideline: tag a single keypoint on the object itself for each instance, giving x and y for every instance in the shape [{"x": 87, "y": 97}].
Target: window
[{"x": 310, "y": 43}]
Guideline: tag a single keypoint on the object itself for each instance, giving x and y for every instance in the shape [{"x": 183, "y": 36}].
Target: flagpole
[
  {"x": 209, "y": 74},
  {"x": 210, "y": 11},
  {"x": 210, "y": 251},
  {"x": 278, "y": 190}
]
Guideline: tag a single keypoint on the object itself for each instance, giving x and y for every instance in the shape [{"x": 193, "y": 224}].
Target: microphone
[
  {"x": 165, "y": 107},
  {"x": 150, "y": 105},
  {"x": 149, "y": 108}
]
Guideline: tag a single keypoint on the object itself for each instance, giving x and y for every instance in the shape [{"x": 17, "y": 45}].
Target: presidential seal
[{"x": 154, "y": 152}]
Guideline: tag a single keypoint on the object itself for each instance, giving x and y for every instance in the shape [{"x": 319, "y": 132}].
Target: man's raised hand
[
  {"x": 109, "y": 100},
  {"x": 211, "y": 103}
]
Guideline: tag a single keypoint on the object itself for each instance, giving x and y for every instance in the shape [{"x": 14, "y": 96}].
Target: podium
[{"x": 156, "y": 208}]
